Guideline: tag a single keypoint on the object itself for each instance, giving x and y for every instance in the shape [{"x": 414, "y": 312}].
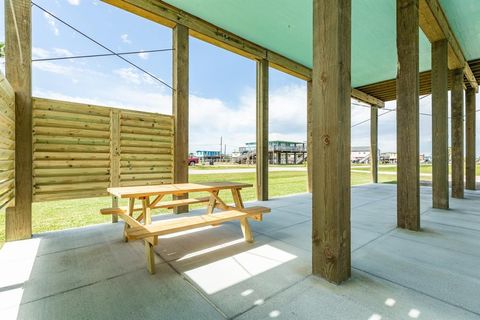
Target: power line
[
  {"x": 100, "y": 55},
  {"x": 101, "y": 45}
]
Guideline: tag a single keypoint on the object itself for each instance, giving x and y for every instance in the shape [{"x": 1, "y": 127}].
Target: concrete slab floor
[{"x": 211, "y": 273}]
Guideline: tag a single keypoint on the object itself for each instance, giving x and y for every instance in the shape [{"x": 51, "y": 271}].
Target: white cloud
[
  {"x": 40, "y": 53},
  {"x": 52, "y": 22},
  {"x": 132, "y": 75},
  {"x": 62, "y": 52},
  {"x": 144, "y": 55},
  {"x": 51, "y": 67},
  {"x": 125, "y": 39},
  {"x": 74, "y": 2}
]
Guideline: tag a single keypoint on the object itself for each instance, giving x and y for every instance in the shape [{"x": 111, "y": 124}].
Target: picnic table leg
[
  {"x": 213, "y": 202},
  {"x": 114, "y": 205},
  {"x": 237, "y": 198},
  {"x": 247, "y": 232},
  {"x": 147, "y": 214},
  {"x": 149, "y": 254},
  {"x": 131, "y": 205}
]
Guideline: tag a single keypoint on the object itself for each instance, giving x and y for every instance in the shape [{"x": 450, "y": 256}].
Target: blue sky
[{"x": 222, "y": 84}]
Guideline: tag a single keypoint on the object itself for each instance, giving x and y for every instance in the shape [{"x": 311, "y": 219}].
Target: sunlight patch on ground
[
  {"x": 227, "y": 272},
  {"x": 16, "y": 262}
]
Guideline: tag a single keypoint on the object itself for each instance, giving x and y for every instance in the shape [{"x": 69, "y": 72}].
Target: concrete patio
[{"x": 90, "y": 273}]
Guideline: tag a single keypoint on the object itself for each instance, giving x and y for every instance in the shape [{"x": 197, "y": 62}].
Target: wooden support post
[
  {"x": 408, "y": 172},
  {"x": 471, "y": 174},
  {"x": 374, "y": 143},
  {"x": 309, "y": 137},
  {"x": 262, "y": 130},
  {"x": 440, "y": 124},
  {"x": 457, "y": 134},
  {"x": 115, "y": 156},
  {"x": 180, "y": 108},
  {"x": 18, "y": 68},
  {"x": 331, "y": 121}
]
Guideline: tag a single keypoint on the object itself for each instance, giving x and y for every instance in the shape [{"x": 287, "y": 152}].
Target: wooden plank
[
  {"x": 470, "y": 122},
  {"x": 48, "y": 147},
  {"x": 126, "y": 171},
  {"x": 309, "y": 137},
  {"x": 151, "y": 182},
  {"x": 71, "y": 107},
  {"x": 262, "y": 131},
  {"x": 363, "y": 97},
  {"x": 181, "y": 224},
  {"x": 144, "y": 137},
  {"x": 42, "y": 122},
  {"x": 146, "y": 176},
  {"x": 72, "y": 163},
  {"x": 144, "y": 191},
  {"x": 73, "y": 186},
  {"x": 66, "y": 132},
  {"x": 58, "y": 172},
  {"x": 69, "y": 140},
  {"x": 70, "y": 155},
  {"x": 374, "y": 143},
  {"x": 408, "y": 172},
  {"x": 141, "y": 150},
  {"x": 153, "y": 144},
  {"x": 180, "y": 108},
  {"x": 457, "y": 134},
  {"x": 145, "y": 163},
  {"x": 148, "y": 131},
  {"x": 440, "y": 188},
  {"x": 115, "y": 153},
  {"x": 69, "y": 195},
  {"x": 147, "y": 157},
  {"x": 18, "y": 67},
  {"x": 434, "y": 24},
  {"x": 70, "y": 179},
  {"x": 331, "y": 113},
  {"x": 69, "y": 116}
]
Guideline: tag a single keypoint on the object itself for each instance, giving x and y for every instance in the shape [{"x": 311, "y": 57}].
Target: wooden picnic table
[{"x": 151, "y": 198}]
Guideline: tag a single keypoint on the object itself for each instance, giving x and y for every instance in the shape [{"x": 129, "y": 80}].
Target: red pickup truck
[{"x": 192, "y": 160}]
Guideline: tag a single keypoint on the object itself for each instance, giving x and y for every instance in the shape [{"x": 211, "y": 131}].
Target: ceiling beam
[
  {"x": 434, "y": 24},
  {"x": 168, "y": 15}
]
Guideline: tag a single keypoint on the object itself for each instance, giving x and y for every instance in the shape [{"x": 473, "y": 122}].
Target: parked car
[{"x": 192, "y": 160}]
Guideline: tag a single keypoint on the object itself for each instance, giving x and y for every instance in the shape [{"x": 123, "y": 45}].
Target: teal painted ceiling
[{"x": 285, "y": 26}]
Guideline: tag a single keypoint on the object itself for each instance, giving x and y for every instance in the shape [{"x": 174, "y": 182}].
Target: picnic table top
[{"x": 179, "y": 188}]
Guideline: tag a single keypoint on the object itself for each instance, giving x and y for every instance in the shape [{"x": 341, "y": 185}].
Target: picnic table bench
[{"x": 150, "y": 197}]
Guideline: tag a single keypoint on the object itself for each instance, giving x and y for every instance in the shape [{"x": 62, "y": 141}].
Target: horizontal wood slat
[
  {"x": 7, "y": 142},
  {"x": 79, "y": 150}
]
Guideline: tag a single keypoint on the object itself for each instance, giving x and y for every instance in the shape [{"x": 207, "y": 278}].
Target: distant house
[
  {"x": 207, "y": 155},
  {"x": 360, "y": 155},
  {"x": 388, "y": 157},
  {"x": 277, "y": 146}
]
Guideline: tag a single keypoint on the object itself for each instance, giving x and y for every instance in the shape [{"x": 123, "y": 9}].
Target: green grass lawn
[{"x": 58, "y": 215}]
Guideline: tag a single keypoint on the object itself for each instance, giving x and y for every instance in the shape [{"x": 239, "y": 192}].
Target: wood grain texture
[
  {"x": 180, "y": 107},
  {"x": 7, "y": 143},
  {"x": 374, "y": 143},
  {"x": 408, "y": 172},
  {"x": 457, "y": 113},
  {"x": 470, "y": 132},
  {"x": 440, "y": 188},
  {"x": 331, "y": 113},
  {"x": 112, "y": 154},
  {"x": 18, "y": 68},
  {"x": 309, "y": 137},
  {"x": 262, "y": 131}
]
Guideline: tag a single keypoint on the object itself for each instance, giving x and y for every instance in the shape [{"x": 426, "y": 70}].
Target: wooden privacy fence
[
  {"x": 80, "y": 150},
  {"x": 7, "y": 142}
]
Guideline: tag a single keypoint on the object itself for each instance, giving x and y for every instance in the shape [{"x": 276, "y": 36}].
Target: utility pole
[{"x": 221, "y": 147}]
